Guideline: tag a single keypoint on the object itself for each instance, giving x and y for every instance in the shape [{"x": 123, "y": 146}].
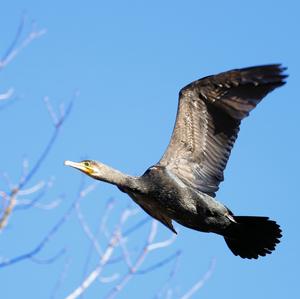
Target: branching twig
[
  {"x": 114, "y": 240},
  {"x": 109, "y": 207},
  {"x": 47, "y": 238},
  {"x": 23, "y": 204},
  {"x": 88, "y": 231},
  {"x": 195, "y": 288},
  {"x": 149, "y": 246},
  {"x": 13, "y": 50},
  {"x": 165, "y": 289},
  {"x": 14, "y": 42},
  {"x": 41, "y": 245},
  {"x": 106, "y": 256},
  {"x": 12, "y": 195},
  {"x": 38, "y": 186}
]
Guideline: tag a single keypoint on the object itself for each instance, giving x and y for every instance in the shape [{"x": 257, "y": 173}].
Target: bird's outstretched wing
[{"x": 209, "y": 114}]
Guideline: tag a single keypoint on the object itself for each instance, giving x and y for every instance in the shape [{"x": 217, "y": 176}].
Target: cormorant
[{"x": 183, "y": 184}]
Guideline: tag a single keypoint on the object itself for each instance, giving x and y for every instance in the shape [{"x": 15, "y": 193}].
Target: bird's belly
[
  {"x": 168, "y": 202},
  {"x": 151, "y": 203},
  {"x": 189, "y": 209}
]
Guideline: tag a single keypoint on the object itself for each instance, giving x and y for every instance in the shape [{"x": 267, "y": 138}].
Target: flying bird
[{"x": 182, "y": 186}]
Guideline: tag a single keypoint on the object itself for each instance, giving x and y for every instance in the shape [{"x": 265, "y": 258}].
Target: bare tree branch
[
  {"x": 92, "y": 276},
  {"x": 165, "y": 289},
  {"x": 149, "y": 246},
  {"x": 46, "y": 239}
]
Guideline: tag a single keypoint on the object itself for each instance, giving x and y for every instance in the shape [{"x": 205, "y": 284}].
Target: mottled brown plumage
[
  {"x": 209, "y": 114},
  {"x": 182, "y": 185}
]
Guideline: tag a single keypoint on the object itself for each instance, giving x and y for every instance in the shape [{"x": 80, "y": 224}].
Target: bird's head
[{"x": 91, "y": 168}]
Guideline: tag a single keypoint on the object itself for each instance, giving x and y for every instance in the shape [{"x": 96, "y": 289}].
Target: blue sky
[{"x": 128, "y": 59}]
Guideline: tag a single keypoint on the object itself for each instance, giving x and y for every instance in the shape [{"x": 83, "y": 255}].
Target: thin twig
[
  {"x": 16, "y": 38},
  {"x": 43, "y": 242},
  {"x": 62, "y": 278},
  {"x": 165, "y": 289},
  {"x": 26, "y": 204},
  {"x": 7, "y": 94},
  {"x": 195, "y": 288},
  {"x": 109, "y": 279},
  {"x": 51, "y": 112},
  {"x": 38, "y": 186},
  {"x": 108, "y": 209},
  {"x": 90, "y": 251},
  {"x": 49, "y": 260},
  {"x": 162, "y": 244},
  {"x": 129, "y": 212},
  {"x": 13, "y": 50},
  {"x": 88, "y": 231},
  {"x": 125, "y": 252},
  {"x": 161, "y": 263}
]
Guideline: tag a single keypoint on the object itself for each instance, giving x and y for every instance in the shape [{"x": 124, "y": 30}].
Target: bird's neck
[{"x": 116, "y": 177}]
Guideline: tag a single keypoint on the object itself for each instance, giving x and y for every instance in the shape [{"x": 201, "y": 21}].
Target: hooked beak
[{"x": 80, "y": 166}]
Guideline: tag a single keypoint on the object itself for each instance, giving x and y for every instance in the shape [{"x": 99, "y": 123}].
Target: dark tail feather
[{"x": 251, "y": 237}]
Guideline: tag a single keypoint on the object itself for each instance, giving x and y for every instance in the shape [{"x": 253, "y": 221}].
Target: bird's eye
[{"x": 87, "y": 164}]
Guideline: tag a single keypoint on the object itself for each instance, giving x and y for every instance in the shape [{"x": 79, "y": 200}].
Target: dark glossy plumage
[{"x": 182, "y": 185}]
